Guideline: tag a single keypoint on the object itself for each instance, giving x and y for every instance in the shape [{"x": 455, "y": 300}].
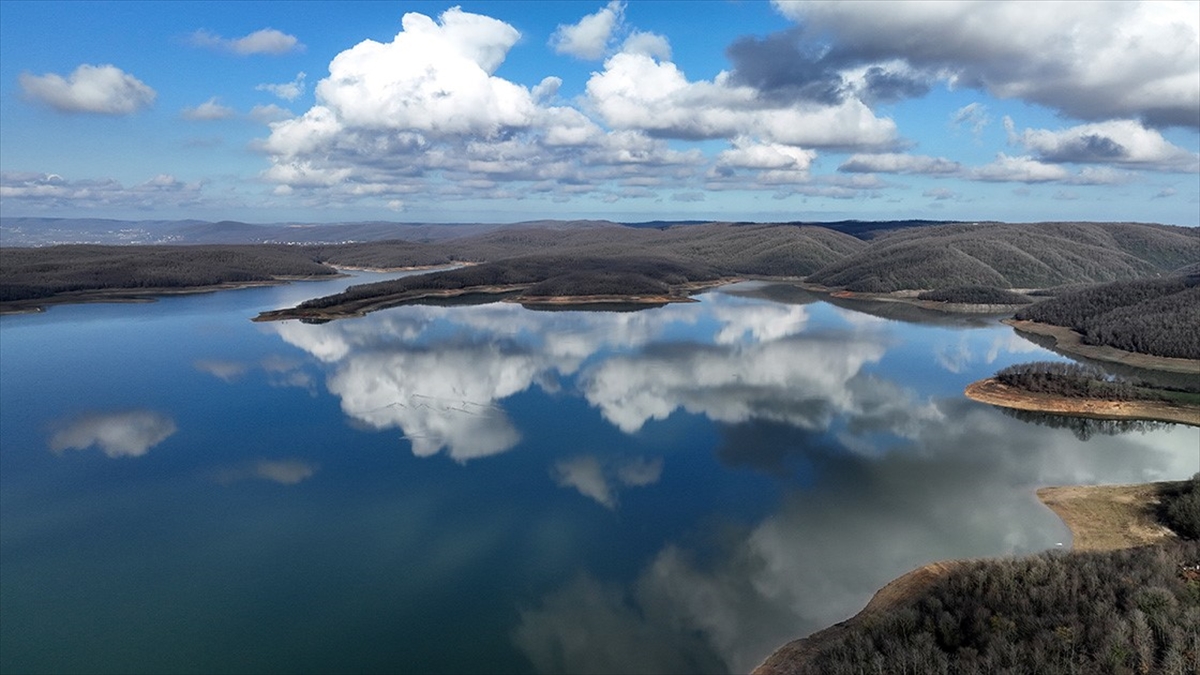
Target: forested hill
[
  {"x": 768, "y": 250},
  {"x": 31, "y": 274},
  {"x": 1007, "y": 255},
  {"x": 1149, "y": 316}
]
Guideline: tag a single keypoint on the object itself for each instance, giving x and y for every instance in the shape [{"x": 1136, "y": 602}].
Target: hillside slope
[{"x": 1004, "y": 255}]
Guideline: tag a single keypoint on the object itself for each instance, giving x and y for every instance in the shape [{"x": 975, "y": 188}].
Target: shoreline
[
  {"x": 909, "y": 297},
  {"x": 144, "y": 295},
  {"x": 1071, "y": 342},
  {"x": 1100, "y": 518},
  {"x": 506, "y": 293},
  {"x": 994, "y": 393}
]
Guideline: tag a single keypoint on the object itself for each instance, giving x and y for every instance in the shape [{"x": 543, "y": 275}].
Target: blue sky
[{"x": 638, "y": 110}]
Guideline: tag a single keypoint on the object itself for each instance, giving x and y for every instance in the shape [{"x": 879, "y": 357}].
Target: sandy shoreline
[{"x": 993, "y": 392}]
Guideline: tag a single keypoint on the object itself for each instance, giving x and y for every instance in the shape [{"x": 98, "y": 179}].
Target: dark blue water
[{"x": 495, "y": 489}]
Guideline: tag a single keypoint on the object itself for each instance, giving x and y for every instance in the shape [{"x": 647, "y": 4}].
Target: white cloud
[
  {"x": 1019, "y": 169},
  {"x": 52, "y": 193},
  {"x": 647, "y": 44},
  {"x": 1120, "y": 142},
  {"x": 103, "y": 89},
  {"x": 122, "y": 434},
  {"x": 590, "y": 37},
  {"x": 265, "y": 41},
  {"x": 1092, "y": 61},
  {"x": 891, "y": 162},
  {"x": 269, "y": 113},
  {"x": 288, "y": 91},
  {"x": 208, "y": 111},
  {"x": 746, "y": 154},
  {"x": 973, "y": 115},
  {"x": 635, "y": 91},
  {"x": 434, "y": 78}
]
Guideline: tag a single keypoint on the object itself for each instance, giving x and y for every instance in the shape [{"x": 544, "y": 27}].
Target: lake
[{"x": 488, "y": 488}]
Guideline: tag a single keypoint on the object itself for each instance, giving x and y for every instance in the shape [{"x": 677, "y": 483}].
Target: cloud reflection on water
[
  {"x": 960, "y": 488},
  {"x": 876, "y": 478},
  {"x": 118, "y": 434}
]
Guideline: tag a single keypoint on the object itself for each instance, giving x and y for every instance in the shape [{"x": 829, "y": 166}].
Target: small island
[{"x": 1084, "y": 391}]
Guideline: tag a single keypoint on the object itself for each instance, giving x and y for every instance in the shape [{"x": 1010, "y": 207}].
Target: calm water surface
[{"x": 495, "y": 489}]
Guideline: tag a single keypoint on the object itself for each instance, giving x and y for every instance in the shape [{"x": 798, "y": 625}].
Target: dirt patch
[
  {"x": 993, "y": 392},
  {"x": 1108, "y": 517}
]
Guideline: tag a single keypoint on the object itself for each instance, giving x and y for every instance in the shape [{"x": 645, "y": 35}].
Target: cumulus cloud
[
  {"x": 1120, "y": 142},
  {"x": 1019, "y": 169},
  {"x": 434, "y": 77},
  {"x": 120, "y": 434},
  {"x": 1063, "y": 55},
  {"x": 590, "y": 37},
  {"x": 747, "y": 154},
  {"x": 647, "y": 44},
  {"x": 208, "y": 111},
  {"x": 265, "y": 41},
  {"x": 288, "y": 91},
  {"x": 637, "y": 91},
  {"x": 392, "y": 117},
  {"x": 103, "y": 89}
]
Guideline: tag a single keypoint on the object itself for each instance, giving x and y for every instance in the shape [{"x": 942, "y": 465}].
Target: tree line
[
  {"x": 1148, "y": 316},
  {"x": 35, "y": 273},
  {"x": 1128, "y": 611}
]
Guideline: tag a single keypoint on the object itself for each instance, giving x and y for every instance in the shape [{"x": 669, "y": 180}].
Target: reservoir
[{"x": 493, "y": 489}]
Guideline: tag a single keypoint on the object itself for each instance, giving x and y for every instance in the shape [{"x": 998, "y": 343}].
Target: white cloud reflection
[
  {"x": 121, "y": 434},
  {"x": 600, "y": 480},
  {"x": 282, "y": 471},
  {"x": 962, "y": 487}
]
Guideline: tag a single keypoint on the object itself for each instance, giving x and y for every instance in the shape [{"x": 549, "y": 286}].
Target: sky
[{"x": 628, "y": 110}]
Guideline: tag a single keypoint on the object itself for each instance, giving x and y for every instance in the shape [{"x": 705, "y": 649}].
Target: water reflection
[
  {"x": 488, "y": 488},
  {"x": 1085, "y": 428},
  {"x": 877, "y": 476},
  {"x": 128, "y": 433},
  {"x": 960, "y": 488}
]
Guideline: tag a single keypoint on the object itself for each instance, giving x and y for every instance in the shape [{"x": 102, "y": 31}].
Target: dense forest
[
  {"x": 1128, "y": 611},
  {"x": 1002, "y": 255},
  {"x": 1076, "y": 380},
  {"x": 1148, "y": 316},
  {"x": 539, "y": 276},
  {"x": 976, "y": 295},
  {"x": 37, "y": 273},
  {"x": 962, "y": 263}
]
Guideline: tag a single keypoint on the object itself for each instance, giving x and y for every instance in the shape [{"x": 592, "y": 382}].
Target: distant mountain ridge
[{"x": 22, "y": 231}]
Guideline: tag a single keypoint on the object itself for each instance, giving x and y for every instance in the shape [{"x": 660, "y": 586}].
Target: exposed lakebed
[{"x": 488, "y": 488}]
